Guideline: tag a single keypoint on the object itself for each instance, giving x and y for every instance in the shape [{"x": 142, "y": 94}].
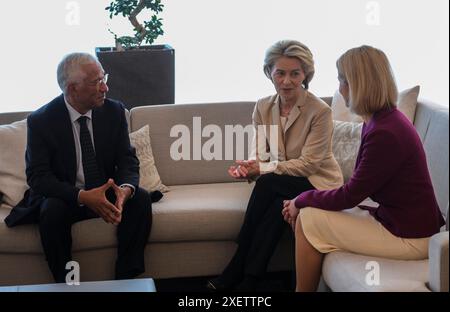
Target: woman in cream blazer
[
  {"x": 301, "y": 125},
  {"x": 304, "y": 143}
]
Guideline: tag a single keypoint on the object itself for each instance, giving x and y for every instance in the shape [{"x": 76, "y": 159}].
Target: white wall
[{"x": 220, "y": 44}]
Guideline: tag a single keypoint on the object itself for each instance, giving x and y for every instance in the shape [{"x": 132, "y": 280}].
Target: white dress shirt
[{"x": 74, "y": 115}]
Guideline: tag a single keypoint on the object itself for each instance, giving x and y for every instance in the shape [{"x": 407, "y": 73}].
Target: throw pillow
[
  {"x": 346, "y": 142},
  {"x": 13, "y": 139},
  {"x": 149, "y": 176},
  {"x": 406, "y": 103},
  {"x": 340, "y": 111}
]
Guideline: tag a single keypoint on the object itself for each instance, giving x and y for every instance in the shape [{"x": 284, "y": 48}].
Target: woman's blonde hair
[
  {"x": 369, "y": 76},
  {"x": 290, "y": 48}
]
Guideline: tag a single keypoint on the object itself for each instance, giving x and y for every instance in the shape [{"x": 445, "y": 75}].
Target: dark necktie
[{"x": 92, "y": 176}]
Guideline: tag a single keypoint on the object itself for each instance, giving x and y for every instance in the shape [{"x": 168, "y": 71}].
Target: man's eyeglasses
[{"x": 99, "y": 81}]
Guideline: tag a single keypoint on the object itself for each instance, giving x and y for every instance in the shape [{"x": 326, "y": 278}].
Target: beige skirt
[{"x": 355, "y": 230}]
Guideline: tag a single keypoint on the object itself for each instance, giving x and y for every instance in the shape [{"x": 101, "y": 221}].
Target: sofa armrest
[{"x": 438, "y": 262}]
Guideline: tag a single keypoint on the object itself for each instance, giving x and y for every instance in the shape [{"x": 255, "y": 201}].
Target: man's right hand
[{"x": 96, "y": 200}]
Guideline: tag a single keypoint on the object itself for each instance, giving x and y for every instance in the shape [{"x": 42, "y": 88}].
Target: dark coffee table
[{"x": 131, "y": 285}]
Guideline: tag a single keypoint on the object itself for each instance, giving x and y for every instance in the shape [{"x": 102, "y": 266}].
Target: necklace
[{"x": 284, "y": 110}]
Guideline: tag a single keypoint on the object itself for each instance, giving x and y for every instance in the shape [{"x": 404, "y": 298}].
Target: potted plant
[{"x": 139, "y": 74}]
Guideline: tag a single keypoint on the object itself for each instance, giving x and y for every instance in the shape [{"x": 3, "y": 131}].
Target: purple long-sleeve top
[{"x": 391, "y": 169}]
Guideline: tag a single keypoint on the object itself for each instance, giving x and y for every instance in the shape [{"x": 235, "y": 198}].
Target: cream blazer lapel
[
  {"x": 276, "y": 122},
  {"x": 293, "y": 116},
  {"x": 296, "y": 110}
]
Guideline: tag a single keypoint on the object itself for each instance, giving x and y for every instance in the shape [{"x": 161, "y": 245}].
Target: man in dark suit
[{"x": 80, "y": 165}]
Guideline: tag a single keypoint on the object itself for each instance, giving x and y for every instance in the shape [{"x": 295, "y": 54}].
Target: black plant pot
[{"x": 141, "y": 76}]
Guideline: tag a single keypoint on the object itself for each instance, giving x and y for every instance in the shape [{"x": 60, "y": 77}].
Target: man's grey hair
[{"x": 69, "y": 69}]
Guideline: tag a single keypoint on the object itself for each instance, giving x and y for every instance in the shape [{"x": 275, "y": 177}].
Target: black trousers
[
  {"x": 55, "y": 224},
  {"x": 263, "y": 224}
]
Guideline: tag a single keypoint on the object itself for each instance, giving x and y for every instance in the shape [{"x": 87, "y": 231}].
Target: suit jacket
[
  {"x": 51, "y": 157},
  {"x": 305, "y": 146}
]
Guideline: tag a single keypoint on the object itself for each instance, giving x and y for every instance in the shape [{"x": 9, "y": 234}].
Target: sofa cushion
[
  {"x": 8, "y": 118},
  {"x": 170, "y": 123},
  {"x": 201, "y": 212},
  {"x": 345, "y": 272},
  {"x": 149, "y": 178},
  {"x": 346, "y": 142},
  {"x": 20, "y": 239},
  {"x": 13, "y": 183},
  {"x": 406, "y": 103},
  {"x": 205, "y": 212},
  {"x": 340, "y": 111}
]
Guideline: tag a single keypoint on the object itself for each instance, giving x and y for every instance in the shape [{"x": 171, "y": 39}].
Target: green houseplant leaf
[{"x": 147, "y": 32}]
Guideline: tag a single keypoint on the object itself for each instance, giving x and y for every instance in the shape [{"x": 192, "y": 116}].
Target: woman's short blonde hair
[
  {"x": 290, "y": 48},
  {"x": 369, "y": 76}
]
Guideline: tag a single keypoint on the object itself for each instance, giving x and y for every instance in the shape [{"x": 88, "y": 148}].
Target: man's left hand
[{"x": 122, "y": 195}]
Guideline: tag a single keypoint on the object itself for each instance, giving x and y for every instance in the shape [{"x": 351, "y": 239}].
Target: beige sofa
[{"x": 195, "y": 224}]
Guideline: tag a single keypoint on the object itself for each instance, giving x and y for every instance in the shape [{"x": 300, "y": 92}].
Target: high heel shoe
[
  {"x": 217, "y": 285},
  {"x": 230, "y": 277}
]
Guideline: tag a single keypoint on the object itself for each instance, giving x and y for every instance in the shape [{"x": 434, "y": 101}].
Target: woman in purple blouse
[{"x": 390, "y": 168}]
